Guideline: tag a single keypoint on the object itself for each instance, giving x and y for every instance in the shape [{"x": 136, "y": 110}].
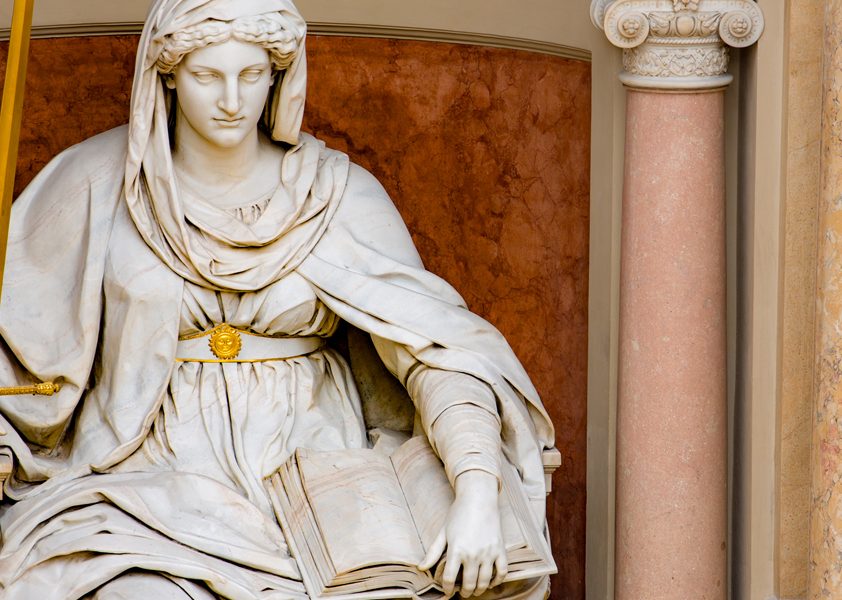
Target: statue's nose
[{"x": 230, "y": 102}]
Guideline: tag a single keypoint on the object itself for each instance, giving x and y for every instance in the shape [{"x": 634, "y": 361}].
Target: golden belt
[{"x": 226, "y": 344}]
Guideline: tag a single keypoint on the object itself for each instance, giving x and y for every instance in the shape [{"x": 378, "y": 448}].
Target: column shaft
[{"x": 672, "y": 413}]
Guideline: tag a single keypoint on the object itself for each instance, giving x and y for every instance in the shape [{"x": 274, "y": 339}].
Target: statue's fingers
[
  {"x": 451, "y": 571},
  {"x": 470, "y": 572},
  {"x": 484, "y": 579},
  {"x": 435, "y": 551},
  {"x": 502, "y": 567}
]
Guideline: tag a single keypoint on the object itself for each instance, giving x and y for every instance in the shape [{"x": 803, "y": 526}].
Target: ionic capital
[{"x": 678, "y": 44}]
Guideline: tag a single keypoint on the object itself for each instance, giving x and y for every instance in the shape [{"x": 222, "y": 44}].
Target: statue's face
[{"x": 222, "y": 90}]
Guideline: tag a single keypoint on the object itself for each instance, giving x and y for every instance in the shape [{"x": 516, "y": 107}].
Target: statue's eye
[
  {"x": 251, "y": 75},
  {"x": 205, "y": 76}
]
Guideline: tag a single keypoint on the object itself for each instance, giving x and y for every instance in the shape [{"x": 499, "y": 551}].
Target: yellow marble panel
[
  {"x": 803, "y": 154},
  {"x": 826, "y": 514}
]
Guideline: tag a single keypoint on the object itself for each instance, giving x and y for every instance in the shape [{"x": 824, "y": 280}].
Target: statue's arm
[
  {"x": 458, "y": 412},
  {"x": 459, "y": 417}
]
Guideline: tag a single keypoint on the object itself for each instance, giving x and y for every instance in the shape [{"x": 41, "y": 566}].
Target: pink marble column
[
  {"x": 672, "y": 447},
  {"x": 672, "y": 410}
]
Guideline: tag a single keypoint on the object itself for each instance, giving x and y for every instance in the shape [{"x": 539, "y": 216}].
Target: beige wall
[
  {"x": 759, "y": 249},
  {"x": 548, "y": 21},
  {"x": 779, "y": 192}
]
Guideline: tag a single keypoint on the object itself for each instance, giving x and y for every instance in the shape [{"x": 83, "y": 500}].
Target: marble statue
[{"x": 180, "y": 280}]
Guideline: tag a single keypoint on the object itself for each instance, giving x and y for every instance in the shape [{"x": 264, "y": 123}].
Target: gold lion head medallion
[{"x": 226, "y": 343}]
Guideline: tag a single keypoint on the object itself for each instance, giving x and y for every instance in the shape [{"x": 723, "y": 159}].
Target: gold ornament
[{"x": 225, "y": 342}]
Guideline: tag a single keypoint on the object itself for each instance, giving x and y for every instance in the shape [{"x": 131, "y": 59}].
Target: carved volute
[{"x": 678, "y": 44}]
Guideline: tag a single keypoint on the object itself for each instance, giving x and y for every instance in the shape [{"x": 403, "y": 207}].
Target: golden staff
[
  {"x": 39, "y": 389},
  {"x": 10, "y": 115},
  {"x": 10, "y": 118}
]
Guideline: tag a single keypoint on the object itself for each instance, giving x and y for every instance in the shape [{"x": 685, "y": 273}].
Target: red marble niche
[{"x": 486, "y": 153}]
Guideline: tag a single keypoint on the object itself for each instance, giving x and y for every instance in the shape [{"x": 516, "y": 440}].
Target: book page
[
  {"x": 516, "y": 513},
  {"x": 425, "y": 485},
  {"x": 360, "y": 509},
  {"x": 429, "y": 496},
  {"x": 510, "y": 517},
  {"x": 290, "y": 514}
]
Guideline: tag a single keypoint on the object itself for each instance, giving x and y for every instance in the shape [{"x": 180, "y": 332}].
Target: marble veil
[{"x": 244, "y": 258}]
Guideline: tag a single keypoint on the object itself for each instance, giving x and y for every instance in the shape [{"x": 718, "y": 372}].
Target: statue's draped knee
[{"x": 143, "y": 586}]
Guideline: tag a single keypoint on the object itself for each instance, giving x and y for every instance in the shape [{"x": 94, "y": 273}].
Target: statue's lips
[{"x": 229, "y": 122}]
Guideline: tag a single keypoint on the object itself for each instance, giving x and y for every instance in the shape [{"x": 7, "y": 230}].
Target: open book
[{"x": 359, "y": 522}]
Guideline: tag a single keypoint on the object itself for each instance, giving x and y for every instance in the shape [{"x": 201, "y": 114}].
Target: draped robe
[{"x": 88, "y": 304}]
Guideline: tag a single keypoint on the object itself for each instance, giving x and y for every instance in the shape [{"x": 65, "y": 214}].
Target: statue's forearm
[
  {"x": 459, "y": 416},
  {"x": 468, "y": 439}
]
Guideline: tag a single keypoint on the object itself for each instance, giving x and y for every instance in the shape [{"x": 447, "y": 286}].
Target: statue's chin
[{"x": 226, "y": 135}]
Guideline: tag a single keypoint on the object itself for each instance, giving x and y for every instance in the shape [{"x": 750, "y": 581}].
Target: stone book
[{"x": 359, "y": 522}]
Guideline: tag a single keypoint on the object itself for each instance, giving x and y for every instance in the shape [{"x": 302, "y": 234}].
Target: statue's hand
[{"x": 473, "y": 537}]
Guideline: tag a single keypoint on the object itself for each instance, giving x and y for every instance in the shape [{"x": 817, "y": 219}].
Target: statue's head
[
  {"x": 224, "y": 65},
  {"x": 221, "y": 65},
  {"x": 222, "y": 73}
]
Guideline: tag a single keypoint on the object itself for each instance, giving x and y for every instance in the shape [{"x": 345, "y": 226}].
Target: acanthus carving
[
  {"x": 699, "y": 25},
  {"x": 678, "y": 39},
  {"x": 657, "y": 61},
  {"x": 685, "y": 4}
]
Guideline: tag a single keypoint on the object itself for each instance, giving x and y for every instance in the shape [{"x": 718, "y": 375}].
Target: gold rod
[
  {"x": 39, "y": 389},
  {"x": 10, "y": 115}
]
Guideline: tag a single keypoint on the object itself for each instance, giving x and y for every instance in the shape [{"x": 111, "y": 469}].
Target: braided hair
[{"x": 268, "y": 30}]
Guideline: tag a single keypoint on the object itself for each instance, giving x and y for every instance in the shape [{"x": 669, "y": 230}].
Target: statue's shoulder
[
  {"x": 368, "y": 213},
  {"x": 90, "y": 172},
  {"x": 365, "y": 210},
  {"x": 103, "y": 155},
  {"x": 364, "y": 190}
]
